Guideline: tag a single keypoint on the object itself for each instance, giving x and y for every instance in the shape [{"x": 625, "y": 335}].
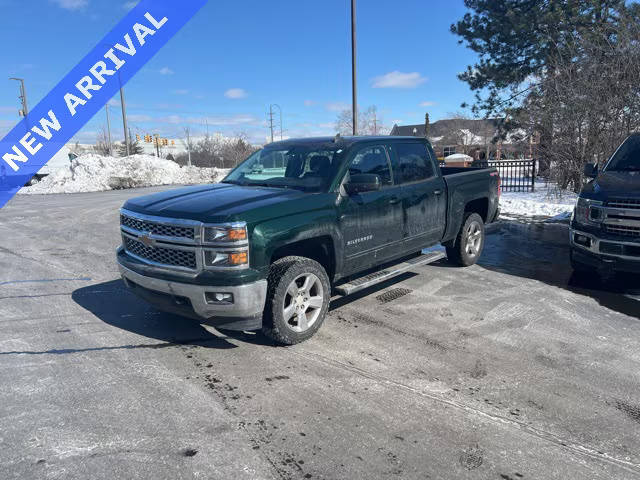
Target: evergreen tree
[
  {"x": 134, "y": 147},
  {"x": 516, "y": 38}
]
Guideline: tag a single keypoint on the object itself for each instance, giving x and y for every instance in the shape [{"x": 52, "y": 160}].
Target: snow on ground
[
  {"x": 546, "y": 201},
  {"x": 94, "y": 173}
]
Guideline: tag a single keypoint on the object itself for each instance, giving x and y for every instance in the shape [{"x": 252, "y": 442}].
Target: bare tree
[
  {"x": 369, "y": 122},
  {"x": 102, "y": 146},
  {"x": 218, "y": 151},
  {"x": 591, "y": 97}
]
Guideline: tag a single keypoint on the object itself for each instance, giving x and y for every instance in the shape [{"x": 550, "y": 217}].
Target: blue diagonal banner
[{"x": 87, "y": 88}]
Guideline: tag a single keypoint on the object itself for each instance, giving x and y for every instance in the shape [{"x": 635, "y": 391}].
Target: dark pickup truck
[
  {"x": 605, "y": 227},
  {"x": 298, "y": 221}
]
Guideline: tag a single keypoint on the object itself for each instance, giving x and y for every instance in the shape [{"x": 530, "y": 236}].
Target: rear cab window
[{"x": 412, "y": 163}]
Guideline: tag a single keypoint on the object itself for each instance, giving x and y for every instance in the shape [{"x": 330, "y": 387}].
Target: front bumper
[
  {"x": 195, "y": 301},
  {"x": 605, "y": 253}
]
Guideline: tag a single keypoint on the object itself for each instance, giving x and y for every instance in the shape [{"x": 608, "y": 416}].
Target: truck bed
[{"x": 465, "y": 185}]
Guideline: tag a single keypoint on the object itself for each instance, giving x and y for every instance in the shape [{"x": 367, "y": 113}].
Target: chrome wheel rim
[
  {"x": 474, "y": 239},
  {"x": 303, "y": 302}
]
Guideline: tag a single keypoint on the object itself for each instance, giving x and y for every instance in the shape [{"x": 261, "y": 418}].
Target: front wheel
[
  {"x": 298, "y": 297},
  {"x": 469, "y": 243}
]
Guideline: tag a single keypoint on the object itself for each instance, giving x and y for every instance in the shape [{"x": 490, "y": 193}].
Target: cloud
[
  {"x": 235, "y": 93},
  {"x": 397, "y": 79},
  {"x": 310, "y": 103},
  {"x": 337, "y": 106},
  {"x": 129, "y": 5},
  {"x": 166, "y": 71},
  {"x": 71, "y": 4},
  {"x": 181, "y": 91},
  {"x": 139, "y": 118},
  {"x": 427, "y": 104}
]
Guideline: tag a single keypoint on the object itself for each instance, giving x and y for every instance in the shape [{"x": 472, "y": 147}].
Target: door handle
[
  {"x": 437, "y": 192},
  {"x": 394, "y": 200}
]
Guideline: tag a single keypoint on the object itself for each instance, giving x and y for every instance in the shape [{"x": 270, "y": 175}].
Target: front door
[
  {"x": 370, "y": 220},
  {"x": 423, "y": 195}
]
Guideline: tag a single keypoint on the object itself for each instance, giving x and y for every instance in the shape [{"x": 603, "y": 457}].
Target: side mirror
[
  {"x": 591, "y": 170},
  {"x": 363, "y": 182}
]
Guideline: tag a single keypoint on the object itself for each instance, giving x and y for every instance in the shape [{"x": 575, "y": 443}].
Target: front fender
[{"x": 273, "y": 234}]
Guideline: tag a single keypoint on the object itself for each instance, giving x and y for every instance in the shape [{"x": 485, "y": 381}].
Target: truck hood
[
  {"x": 211, "y": 203},
  {"x": 614, "y": 185}
]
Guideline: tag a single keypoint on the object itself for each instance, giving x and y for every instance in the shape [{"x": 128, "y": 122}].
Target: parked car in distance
[
  {"x": 605, "y": 226},
  {"x": 298, "y": 221}
]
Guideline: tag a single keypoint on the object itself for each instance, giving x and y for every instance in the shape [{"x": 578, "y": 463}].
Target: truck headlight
[
  {"x": 588, "y": 212},
  {"x": 214, "y": 259},
  {"x": 217, "y": 234}
]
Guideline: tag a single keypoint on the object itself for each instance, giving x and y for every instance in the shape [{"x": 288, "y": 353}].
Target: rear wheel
[
  {"x": 297, "y": 300},
  {"x": 469, "y": 243}
]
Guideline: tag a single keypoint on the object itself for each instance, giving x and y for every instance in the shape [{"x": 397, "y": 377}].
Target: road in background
[{"x": 510, "y": 369}]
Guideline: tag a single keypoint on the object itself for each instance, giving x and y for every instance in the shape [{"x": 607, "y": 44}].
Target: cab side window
[
  {"x": 413, "y": 163},
  {"x": 372, "y": 160}
]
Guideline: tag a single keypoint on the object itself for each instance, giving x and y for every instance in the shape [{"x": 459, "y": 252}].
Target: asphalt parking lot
[{"x": 511, "y": 369}]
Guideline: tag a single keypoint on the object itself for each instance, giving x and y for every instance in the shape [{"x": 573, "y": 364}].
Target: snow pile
[
  {"x": 93, "y": 173},
  {"x": 546, "y": 201}
]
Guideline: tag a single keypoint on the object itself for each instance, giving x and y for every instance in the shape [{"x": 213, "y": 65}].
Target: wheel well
[
  {"x": 319, "y": 249},
  {"x": 479, "y": 206}
]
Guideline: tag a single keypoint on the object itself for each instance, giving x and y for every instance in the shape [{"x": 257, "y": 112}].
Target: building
[{"x": 478, "y": 138}]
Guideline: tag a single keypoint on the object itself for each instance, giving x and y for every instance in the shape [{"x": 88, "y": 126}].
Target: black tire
[
  {"x": 459, "y": 252},
  {"x": 281, "y": 276}
]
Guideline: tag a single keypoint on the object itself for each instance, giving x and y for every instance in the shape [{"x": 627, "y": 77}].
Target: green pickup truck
[{"x": 298, "y": 222}]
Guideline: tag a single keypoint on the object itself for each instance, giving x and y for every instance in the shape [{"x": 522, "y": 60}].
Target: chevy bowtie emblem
[{"x": 147, "y": 241}]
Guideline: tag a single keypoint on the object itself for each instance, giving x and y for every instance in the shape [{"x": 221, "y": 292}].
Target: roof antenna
[{"x": 338, "y": 138}]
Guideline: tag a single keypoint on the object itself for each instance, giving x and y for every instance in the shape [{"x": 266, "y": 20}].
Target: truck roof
[{"x": 347, "y": 141}]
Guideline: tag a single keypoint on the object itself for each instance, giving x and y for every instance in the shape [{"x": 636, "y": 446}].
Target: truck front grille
[
  {"x": 623, "y": 230},
  {"x": 165, "y": 230},
  {"x": 632, "y": 203},
  {"x": 160, "y": 255}
]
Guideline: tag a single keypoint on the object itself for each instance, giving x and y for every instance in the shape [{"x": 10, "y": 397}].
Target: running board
[{"x": 380, "y": 276}]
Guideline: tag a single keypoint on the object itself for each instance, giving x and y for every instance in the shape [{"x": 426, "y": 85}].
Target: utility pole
[
  {"x": 375, "y": 121},
  {"x": 271, "y": 116},
  {"x": 189, "y": 144},
  {"x": 23, "y": 97},
  {"x": 156, "y": 136},
  {"x": 106, "y": 108},
  {"x": 124, "y": 117},
  {"x": 354, "y": 91},
  {"x": 271, "y": 121}
]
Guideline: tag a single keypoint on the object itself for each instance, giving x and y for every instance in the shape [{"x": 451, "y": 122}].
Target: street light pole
[
  {"x": 124, "y": 117},
  {"x": 106, "y": 107},
  {"x": 354, "y": 91},
  {"x": 22, "y": 97}
]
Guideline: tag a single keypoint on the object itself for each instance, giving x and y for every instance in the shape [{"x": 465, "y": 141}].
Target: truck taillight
[{"x": 496, "y": 174}]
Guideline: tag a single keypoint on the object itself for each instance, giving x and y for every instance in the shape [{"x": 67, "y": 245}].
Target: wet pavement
[{"x": 511, "y": 369}]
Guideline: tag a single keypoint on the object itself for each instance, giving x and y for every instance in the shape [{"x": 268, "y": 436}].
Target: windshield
[
  {"x": 627, "y": 158},
  {"x": 306, "y": 167}
]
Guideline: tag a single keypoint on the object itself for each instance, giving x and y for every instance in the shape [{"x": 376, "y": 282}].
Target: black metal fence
[{"x": 516, "y": 175}]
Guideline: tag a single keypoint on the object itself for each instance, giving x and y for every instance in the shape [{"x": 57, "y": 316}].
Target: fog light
[
  {"x": 582, "y": 240},
  {"x": 219, "y": 297}
]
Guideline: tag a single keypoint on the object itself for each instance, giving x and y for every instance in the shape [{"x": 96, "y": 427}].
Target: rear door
[
  {"x": 423, "y": 194},
  {"x": 371, "y": 221}
]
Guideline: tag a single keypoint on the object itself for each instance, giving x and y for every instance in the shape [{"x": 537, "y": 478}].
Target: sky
[{"x": 232, "y": 60}]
